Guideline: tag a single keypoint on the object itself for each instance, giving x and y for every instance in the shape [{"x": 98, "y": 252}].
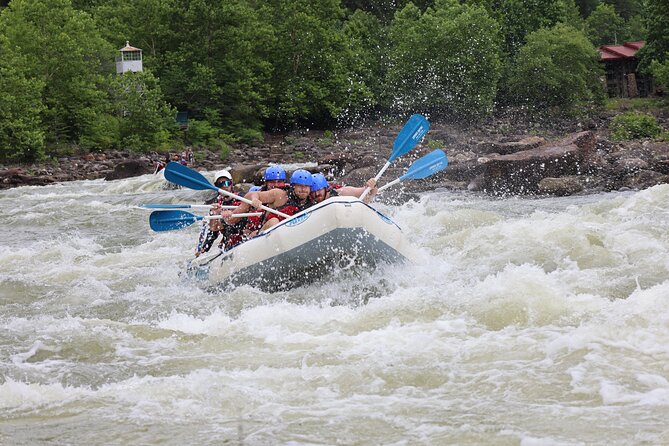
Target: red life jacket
[
  {"x": 332, "y": 190},
  {"x": 291, "y": 207},
  {"x": 233, "y": 235},
  {"x": 255, "y": 223}
]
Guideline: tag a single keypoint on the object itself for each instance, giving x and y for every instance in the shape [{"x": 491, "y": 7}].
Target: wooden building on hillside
[
  {"x": 129, "y": 59},
  {"x": 622, "y": 78}
]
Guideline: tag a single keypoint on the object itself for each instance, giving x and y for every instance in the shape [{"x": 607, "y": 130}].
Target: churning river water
[{"x": 526, "y": 322}]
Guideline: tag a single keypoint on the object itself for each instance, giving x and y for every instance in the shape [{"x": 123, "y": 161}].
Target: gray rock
[
  {"x": 562, "y": 186},
  {"x": 128, "y": 169}
]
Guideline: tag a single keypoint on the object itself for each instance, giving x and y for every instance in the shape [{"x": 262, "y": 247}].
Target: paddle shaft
[
  {"x": 245, "y": 214},
  {"x": 378, "y": 175},
  {"x": 392, "y": 183},
  {"x": 195, "y": 207}
]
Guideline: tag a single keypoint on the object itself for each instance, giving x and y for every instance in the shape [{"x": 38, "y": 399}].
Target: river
[{"x": 527, "y": 322}]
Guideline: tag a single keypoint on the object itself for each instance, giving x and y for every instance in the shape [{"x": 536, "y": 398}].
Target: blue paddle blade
[
  {"x": 410, "y": 135},
  {"x": 161, "y": 221},
  {"x": 184, "y": 176},
  {"x": 427, "y": 165}
]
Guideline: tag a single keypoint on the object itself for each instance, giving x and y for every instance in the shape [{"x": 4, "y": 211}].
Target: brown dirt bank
[{"x": 501, "y": 157}]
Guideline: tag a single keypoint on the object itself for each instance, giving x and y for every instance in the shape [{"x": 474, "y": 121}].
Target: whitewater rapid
[{"x": 526, "y": 322}]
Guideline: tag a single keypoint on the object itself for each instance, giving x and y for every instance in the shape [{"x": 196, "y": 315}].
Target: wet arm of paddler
[
  {"x": 271, "y": 198},
  {"x": 350, "y": 191}
]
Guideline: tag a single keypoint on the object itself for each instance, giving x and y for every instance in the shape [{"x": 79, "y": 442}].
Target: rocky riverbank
[{"x": 499, "y": 158}]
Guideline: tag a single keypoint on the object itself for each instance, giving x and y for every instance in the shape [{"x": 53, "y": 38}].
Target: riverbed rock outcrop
[{"x": 570, "y": 159}]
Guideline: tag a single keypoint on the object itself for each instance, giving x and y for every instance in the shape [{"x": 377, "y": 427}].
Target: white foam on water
[
  {"x": 531, "y": 321},
  {"x": 18, "y": 396}
]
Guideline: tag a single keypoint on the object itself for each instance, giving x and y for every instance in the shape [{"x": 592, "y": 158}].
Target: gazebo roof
[{"x": 127, "y": 47}]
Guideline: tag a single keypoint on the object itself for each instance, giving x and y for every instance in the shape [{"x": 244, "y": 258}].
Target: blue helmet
[
  {"x": 301, "y": 176},
  {"x": 275, "y": 173},
  {"x": 319, "y": 182},
  {"x": 255, "y": 188}
]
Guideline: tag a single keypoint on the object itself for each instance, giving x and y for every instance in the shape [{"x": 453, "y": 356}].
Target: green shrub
[
  {"x": 201, "y": 156},
  {"x": 646, "y": 105},
  {"x": 223, "y": 148},
  {"x": 201, "y": 133},
  {"x": 102, "y": 132},
  {"x": 249, "y": 135},
  {"x": 634, "y": 125},
  {"x": 327, "y": 139},
  {"x": 661, "y": 71},
  {"x": 435, "y": 144},
  {"x": 557, "y": 67}
]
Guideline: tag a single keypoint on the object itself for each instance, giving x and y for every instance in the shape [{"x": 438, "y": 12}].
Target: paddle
[
  {"x": 184, "y": 176},
  {"x": 195, "y": 207},
  {"x": 161, "y": 221},
  {"x": 410, "y": 135},
  {"x": 423, "y": 167}
]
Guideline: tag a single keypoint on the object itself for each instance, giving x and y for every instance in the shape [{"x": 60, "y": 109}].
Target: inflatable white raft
[{"x": 339, "y": 232}]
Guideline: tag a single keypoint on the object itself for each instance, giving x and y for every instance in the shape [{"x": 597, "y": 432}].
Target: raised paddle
[
  {"x": 423, "y": 167},
  {"x": 161, "y": 221},
  {"x": 195, "y": 207},
  {"x": 184, "y": 176},
  {"x": 410, "y": 135}
]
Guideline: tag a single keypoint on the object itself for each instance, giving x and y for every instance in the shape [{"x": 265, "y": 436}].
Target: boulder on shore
[{"x": 129, "y": 169}]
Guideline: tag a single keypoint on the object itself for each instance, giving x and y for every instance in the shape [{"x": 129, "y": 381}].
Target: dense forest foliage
[{"x": 241, "y": 67}]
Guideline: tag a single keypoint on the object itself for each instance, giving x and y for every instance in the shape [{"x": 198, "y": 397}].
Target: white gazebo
[{"x": 130, "y": 59}]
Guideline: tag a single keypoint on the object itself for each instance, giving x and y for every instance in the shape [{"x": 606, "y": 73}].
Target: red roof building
[
  {"x": 619, "y": 52},
  {"x": 622, "y": 79}
]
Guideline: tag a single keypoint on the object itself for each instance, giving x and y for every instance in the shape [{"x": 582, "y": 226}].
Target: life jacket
[
  {"x": 255, "y": 223},
  {"x": 332, "y": 190},
  {"x": 233, "y": 234},
  {"x": 293, "y": 205}
]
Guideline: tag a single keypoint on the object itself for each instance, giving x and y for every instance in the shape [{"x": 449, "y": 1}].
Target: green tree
[
  {"x": 661, "y": 71},
  {"x": 368, "y": 49},
  {"x": 518, "y": 18},
  {"x": 64, "y": 51},
  {"x": 586, "y": 7},
  {"x": 145, "y": 120},
  {"x": 626, "y": 8},
  {"x": 657, "y": 45},
  {"x": 21, "y": 133},
  {"x": 220, "y": 70},
  {"x": 557, "y": 67},
  {"x": 384, "y": 9},
  {"x": 312, "y": 79},
  {"x": 146, "y": 24},
  {"x": 446, "y": 60},
  {"x": 635, "y": 28},
  {"x": 605, "y": 26}
]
